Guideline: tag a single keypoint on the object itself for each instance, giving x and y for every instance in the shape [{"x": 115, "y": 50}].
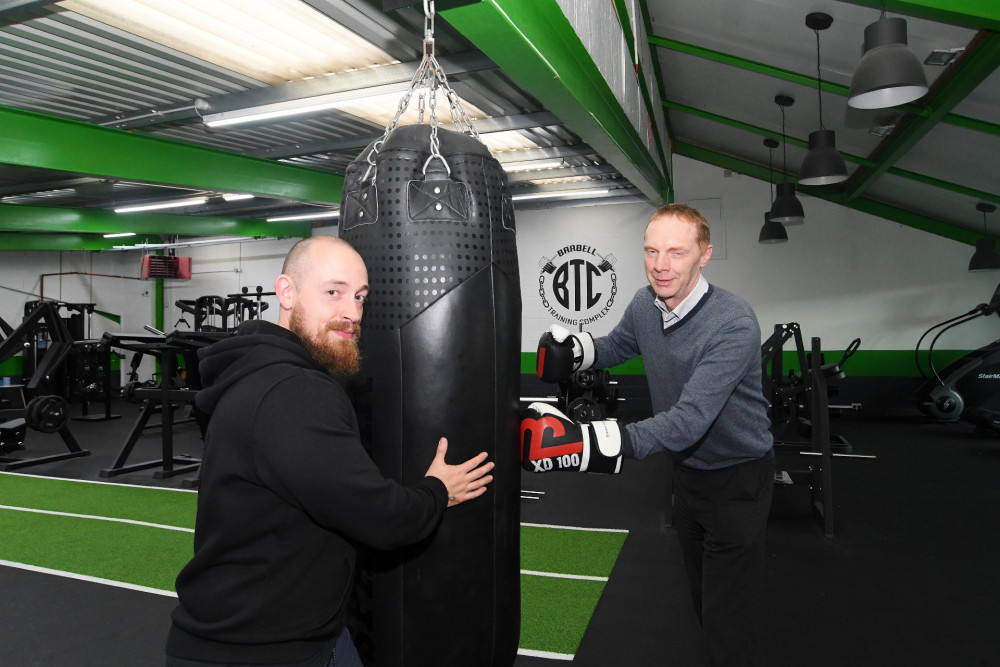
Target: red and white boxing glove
[
  {"x": 560, "y": 354},
  {"x": 552, "y": 441}
]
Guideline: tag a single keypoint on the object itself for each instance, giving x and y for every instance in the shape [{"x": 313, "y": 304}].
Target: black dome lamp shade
[
  {"x": 823, "y": 164},
  {"x": 986, "y": 257},
  {"x": 889, "y": 73}
]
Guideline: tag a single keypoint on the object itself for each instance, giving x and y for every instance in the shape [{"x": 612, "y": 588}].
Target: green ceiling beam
[
  {"x": 23, "y": 242},
  {"x": 32, "y": 139},
  {"x": 794, "y": 141},
  {"x": 810, "y": 81},
  {"x": 534, "y": 43},
  {"x": 624, "y": 19},
  {"x": 968, "y": 13},
  {"x": 25, "y": 218},
  {"x": 978, "y": 64},
  {"x": 878, "y": 209}
]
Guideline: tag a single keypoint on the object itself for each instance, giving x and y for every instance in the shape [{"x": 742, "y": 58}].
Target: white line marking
[
  {"x": 88, "y": 481},
  {"x": 532, "y": 653},
  {"x": 83, "y": 577},
  {"x": 97, "y": 518},
  {"x": 555, "y": 575},
  {"x": 592, "y": 530}
]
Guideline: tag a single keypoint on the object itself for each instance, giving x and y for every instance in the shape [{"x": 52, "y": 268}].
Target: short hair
[
  {"x": 298, "y": 256},
  {"x": 687, "y": 214}
]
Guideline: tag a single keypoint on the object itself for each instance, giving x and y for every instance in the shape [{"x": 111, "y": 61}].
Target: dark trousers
[{"x": 721, "y": 519}]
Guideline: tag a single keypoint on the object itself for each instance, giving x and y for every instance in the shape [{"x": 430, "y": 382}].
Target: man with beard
[{"x": 286, "y": 486}]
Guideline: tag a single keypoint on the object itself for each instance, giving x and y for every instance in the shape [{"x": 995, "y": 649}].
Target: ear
[
  {"x": 706, "y": 255},
  {"x": 284, "y": 289}
]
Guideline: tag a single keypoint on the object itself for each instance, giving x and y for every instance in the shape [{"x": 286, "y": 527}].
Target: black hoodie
[{"x": 286, "y": 488}]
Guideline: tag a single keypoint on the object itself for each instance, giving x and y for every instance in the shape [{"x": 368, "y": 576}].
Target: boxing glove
[
  {"x": 560, "y": 354},
  {"x": 552, "y": 441}
]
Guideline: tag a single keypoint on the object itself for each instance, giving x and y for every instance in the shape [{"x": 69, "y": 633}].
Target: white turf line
[
  {"x": 118, "y": 584},
  {"x": 97, "y": 518},
  {"x": 83, "y": 577},
  {"x": 545, "y": 654},
  {"x": 87, "y": 481}
]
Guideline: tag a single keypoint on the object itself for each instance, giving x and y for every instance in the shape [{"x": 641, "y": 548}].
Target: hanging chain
[
  {"x": 819, "y": 84},
  {"x": 770, "y": 172},
  {"x": 784, "y": 148},
  {"x": 428, "y": 78}
]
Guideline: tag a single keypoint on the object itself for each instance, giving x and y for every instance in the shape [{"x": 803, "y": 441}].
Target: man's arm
[
  {"x": 314, "y": 459},
  {"x": 722, "y": 367}
]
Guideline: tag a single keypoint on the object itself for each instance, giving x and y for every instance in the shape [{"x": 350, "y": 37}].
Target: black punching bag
[{"x": 441, "y": 357}]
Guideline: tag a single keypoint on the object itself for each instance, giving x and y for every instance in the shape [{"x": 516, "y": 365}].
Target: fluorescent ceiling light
[
  {"x": 177, "y": 203},
  {"x": 531, "y": 165},
  {"x": 562, "y": 193},
  {"x": 942, "y": 57},
  {"x": 273, "y": 41},
  {"x": 119, "y": 235},
  {"x": 388, "y": 93},
  {"x": 306, "y": 216},
  {"x": 229, "y": 196},
  {"x": 185, "y": 244}
]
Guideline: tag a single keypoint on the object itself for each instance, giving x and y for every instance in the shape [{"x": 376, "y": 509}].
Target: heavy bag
[{"x": 441, "y": 357}]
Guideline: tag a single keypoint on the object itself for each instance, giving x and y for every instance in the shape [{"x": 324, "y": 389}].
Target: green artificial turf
[
  {"x": 568, "y": 551},
  {"x": 138, "y": 555},
  {"x": 137, "y": 503},
  {"x": 555, "y": 610}
]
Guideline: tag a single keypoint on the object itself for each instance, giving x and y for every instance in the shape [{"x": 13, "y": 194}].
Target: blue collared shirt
[{"x": 672, "y": 317}]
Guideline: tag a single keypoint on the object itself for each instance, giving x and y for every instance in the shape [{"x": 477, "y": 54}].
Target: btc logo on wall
[{"x": 578, "y": 284}]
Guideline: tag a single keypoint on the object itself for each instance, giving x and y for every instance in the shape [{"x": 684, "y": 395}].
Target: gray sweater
[{"x": 704, "y": 379}]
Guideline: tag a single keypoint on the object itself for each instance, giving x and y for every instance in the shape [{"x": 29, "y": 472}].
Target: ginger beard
[{"x": 326, "y": 347}]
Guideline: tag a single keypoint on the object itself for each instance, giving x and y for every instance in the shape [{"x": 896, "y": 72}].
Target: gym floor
[{"x": 909, "y": 577}]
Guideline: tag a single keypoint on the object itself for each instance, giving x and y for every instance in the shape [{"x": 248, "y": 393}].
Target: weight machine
[
  {"x": 967, "y": 389},
  {"x": 215, "y": 313},
  {"x": 43, "y": 412},
  {"x": 162, "y": 396},
  {"x": 800, "y": 414}
]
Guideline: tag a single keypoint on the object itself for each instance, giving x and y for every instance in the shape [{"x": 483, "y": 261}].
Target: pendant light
[
  {"x": 786, "y": 209},
  {"x": 986, "y": 257},
  {"x": 823, "y": 164},
  {"x": 771, "y": 232},
  {"x": 889, "y": 73}
]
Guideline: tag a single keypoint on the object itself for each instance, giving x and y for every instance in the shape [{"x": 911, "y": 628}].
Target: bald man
[{"x": 286, "y": 486}]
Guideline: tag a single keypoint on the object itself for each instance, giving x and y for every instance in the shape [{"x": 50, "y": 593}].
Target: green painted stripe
[
  {"x": 795, "y": 141},
  {"x": 918, "y": 110},
  {"x": 534, "y": 43},
  {"x": 878, "y": 209},
  {"x": 968, "y": 13},
  {"x": 974, "y": 68},
  {"x": 47, "y": 142},
  {"x": 12, "y": 367},
  {"x": 20, "y": 241},
  {"x": 26, "y": 218}
]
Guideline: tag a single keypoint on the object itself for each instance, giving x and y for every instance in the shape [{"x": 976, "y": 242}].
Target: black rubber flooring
[{"x": 909, "y": 578}]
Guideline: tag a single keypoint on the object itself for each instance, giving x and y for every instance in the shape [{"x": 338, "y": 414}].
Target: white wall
[{"x": 843, "y": 274}]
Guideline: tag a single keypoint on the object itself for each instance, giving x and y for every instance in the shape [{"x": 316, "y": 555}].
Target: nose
[
  {"x": 354, "y": 311},
  {"x": 662, "y": 263}
]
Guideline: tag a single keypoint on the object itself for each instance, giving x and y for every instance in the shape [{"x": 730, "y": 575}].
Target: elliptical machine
[{"x": 968, "y": 388}]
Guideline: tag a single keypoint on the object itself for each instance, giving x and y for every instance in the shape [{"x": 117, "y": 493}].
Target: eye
[
  {"x": 333, "y": 292},
  {"x": 363, "y": 298}
]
